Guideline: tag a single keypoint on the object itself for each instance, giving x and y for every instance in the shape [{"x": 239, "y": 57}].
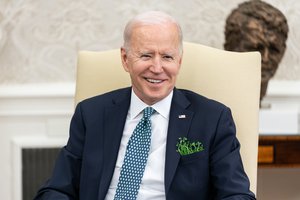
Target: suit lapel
[
  {"x": 115, "y": 118},
  {"x": 179, "y": 124}
]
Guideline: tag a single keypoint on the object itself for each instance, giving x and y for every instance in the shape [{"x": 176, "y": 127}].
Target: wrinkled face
[
  {"x": 153, "y": 61},
  {"x": 270, "y": 45}
]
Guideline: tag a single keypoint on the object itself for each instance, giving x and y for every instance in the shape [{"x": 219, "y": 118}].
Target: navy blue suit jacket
[{"x": 85, "y": 166}]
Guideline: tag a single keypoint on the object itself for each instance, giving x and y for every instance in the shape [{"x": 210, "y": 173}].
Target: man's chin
[{"x": 154, "y": 98}]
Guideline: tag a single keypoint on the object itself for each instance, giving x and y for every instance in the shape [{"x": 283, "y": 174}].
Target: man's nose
[
  {"x": 265, "y": 55},
  {"x": 157, "y": 66}
]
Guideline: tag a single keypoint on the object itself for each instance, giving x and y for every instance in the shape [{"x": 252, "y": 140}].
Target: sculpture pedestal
[{"x": 279, "y": 120}]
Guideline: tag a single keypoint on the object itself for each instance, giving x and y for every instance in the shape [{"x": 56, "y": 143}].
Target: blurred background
[{"x": 39, "y": 42}]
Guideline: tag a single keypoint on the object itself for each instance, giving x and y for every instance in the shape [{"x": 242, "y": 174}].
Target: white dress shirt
[{"x": 152, "y": 186}]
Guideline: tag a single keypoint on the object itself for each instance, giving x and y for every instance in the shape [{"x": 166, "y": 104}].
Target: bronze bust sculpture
[{"x": 258, "y": 26}]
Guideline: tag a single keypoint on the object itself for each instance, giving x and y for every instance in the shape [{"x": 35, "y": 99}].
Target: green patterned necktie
[{"x": 135, "y": 159}]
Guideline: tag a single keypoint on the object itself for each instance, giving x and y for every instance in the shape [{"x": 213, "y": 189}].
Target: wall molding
[
  {"x": 283, "y": 94},
  {"x": 57, "y": 99},
  {"x": 283, "y": 88},
  {"x": 64, "y": 89},
  {"x": 37, "y": 100}
]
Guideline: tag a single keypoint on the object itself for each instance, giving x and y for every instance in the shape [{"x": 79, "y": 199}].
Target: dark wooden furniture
[{"x": 279, "y": 151}]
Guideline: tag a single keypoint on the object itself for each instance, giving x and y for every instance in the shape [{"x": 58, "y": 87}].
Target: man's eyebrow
[
  {"x": 169, "y": 53},
  {"x": 140, "y": 53}
]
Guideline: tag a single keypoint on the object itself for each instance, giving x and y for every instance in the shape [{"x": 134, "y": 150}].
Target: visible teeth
[{"x": 153, "y": 80}]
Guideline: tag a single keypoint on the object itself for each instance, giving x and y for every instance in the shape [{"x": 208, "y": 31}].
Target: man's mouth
[{"x": 153, "y": 80}]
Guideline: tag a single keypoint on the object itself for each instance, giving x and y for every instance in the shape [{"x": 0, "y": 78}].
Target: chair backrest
[{"x": 229, "y": 77}]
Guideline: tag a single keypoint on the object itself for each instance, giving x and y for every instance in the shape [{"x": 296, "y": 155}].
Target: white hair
[{"x": 150, "y": 18}]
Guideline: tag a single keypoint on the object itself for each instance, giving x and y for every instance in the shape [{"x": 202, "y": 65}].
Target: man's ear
[
  {"x": 124, "y": 59},
  {"x": 180, "y": 61}
]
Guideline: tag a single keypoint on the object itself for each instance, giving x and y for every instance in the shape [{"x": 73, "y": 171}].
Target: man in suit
[{"x": 193, "y": 152}]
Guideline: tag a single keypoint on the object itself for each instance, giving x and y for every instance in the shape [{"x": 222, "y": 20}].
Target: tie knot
[{"x": 148, "y": 112}]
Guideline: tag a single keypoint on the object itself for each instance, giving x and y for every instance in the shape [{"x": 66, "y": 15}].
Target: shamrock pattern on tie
[{"x": 135, "y": 159}]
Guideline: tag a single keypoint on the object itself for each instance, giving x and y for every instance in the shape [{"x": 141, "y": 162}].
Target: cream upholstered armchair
[{"x": 229, "y": 77}]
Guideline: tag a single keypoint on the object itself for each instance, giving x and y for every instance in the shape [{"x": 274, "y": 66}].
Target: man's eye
[
  {"x": 145, "y": 56},
  {"x": 167, "y": 57},
  {"x": 274, "y": 49}
]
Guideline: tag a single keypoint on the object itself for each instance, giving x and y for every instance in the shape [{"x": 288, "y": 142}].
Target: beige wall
[{"x": 39, "y": 40}]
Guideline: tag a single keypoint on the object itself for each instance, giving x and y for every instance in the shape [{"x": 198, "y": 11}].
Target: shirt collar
[{"x": 162, "y": 107}]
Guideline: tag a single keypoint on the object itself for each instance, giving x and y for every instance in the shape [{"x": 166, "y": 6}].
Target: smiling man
[
  {"x": 152, "y": 56},
  {"x": 150, "y": 141}
]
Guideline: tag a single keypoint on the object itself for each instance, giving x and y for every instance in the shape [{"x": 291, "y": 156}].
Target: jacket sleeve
[
  {"x": 64, "y": 182},
  {"x": 229, "y": 179}
]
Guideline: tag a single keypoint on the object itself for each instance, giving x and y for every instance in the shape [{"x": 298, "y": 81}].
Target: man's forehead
[
  {"x": 262, "y": 36},
  {"x": 155, "y": 30}
]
